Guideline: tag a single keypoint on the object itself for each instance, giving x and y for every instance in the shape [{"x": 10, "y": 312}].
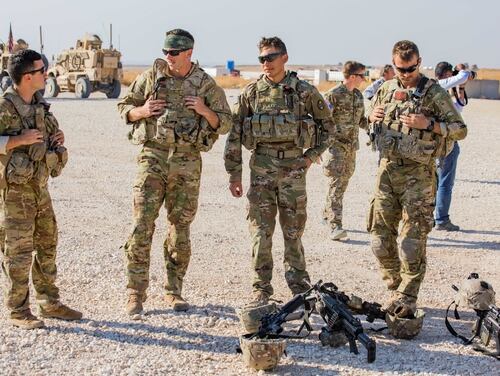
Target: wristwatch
[{"x": 430, "y": 127}]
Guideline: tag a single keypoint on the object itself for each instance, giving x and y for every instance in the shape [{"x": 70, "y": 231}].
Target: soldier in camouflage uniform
[
  {"x": 31, "y": 150},
  {"x": 348, "y": 113},
  {"x": 415, "y": 122},
  {"x": 276, "y": 117},
  {"x": 176, "y": 111}
]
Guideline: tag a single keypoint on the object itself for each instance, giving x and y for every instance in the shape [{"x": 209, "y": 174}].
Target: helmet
[
  {"x": 475, "y": 294},
  {"x": 250, "y": 316},
  {"x": 405, "y": 328},
  {"x": 261, "y": 354}
]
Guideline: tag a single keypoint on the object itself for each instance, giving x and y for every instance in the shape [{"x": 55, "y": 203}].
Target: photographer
[{"x": 453, "y": 80}]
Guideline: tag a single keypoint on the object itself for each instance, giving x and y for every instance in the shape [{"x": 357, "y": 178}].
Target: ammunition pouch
[
  {"x": 193, "y": 131},
  {"x": 142, "y": 132},
  {"x": 58, "y": 159},
  {"x": 396, "y": 144},
  {"x": 20, "y": 169},
  {"x": 267, "y": 128},
  {"x": 309, "y": 134},
  {"x": 37, "y": 151}
]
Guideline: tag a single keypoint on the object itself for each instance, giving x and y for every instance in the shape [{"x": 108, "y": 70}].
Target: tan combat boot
[
  {"x": 59, "y": 311},
  {"x": 134, "y": 304},
  {"x": 25, "y": 320},
  {"x": 401, "y": 305},
  {"x": 259, "y": 298},
  {"x": 338, "y": 233},
  {"x": 177, "y": 302}
]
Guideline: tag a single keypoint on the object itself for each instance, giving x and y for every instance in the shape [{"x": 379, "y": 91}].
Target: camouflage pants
[
  {"x": 173, "y": 180},
  {"x": 29, "y": 241},
  {"x": 402, "y": 193},
  {"x": 277, "y": 185},
  {"x": 339, "y": 167}
]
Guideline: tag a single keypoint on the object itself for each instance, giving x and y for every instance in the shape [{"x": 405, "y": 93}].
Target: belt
[
  {"x": 402, "y": 161},
  {"x": 174, "y": 148},
  {"x": 280, "y": 154}
]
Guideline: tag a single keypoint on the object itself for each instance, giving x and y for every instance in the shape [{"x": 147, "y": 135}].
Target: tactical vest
[
  {"x": 36, "y": 161},
  {"x": 178, "y": 125},
  {"x": 395, "y": 140},
  {"x": 279, "y": 115}
]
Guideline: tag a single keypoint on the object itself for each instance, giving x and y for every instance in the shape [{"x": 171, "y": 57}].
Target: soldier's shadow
[
  {"x": 468, "y": 244},
  {"x": 208, "y": 310},
  {"x": 145, "y": 334}
]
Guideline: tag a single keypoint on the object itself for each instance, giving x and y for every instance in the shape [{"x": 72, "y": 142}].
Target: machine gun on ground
[
  {"x": 488, "y": 327},
  {"x": 337, "y": 311}
]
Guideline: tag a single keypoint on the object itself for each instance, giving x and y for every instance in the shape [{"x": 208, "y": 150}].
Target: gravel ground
[{"x": 93, "y": 201}]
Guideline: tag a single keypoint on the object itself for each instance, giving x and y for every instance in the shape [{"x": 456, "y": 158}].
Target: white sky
[{"x": 315, "y": 31}]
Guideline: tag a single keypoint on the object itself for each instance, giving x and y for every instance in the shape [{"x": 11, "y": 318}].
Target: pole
[{"x": 41, "y": 40}]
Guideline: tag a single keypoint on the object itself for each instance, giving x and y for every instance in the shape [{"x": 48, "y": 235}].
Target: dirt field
[{"x": 93, "y": 200}]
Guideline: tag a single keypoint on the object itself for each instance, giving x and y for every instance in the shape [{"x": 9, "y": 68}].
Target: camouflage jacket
[
  {"x": 348, "y": 113},
  {"x": 144, "y": 85},
  {"x": 313, "y": 106}
]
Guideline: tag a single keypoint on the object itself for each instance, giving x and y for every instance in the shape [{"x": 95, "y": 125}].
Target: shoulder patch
[{"x": 329, "y": 104}]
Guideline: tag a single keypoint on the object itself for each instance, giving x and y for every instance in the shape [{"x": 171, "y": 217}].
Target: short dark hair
[
  {"x": 386, "y": 69},
  {"x": 274, "y": 42},
  {"x": 20, "y": 63},
  {"x": 442, "y": 68},
  {"x": 405, "y": 49},
  {"x": 351, "y": 67},
  {"x": 182, "y": 33}
]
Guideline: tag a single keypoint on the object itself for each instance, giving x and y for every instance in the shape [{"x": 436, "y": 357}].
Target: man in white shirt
[{"x": 453, "y": 80}]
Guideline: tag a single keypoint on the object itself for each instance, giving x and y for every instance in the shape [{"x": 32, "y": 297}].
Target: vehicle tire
[
  {"x": 82, "y": 87},
  {"x": 5, "y": 83},
  {"x": 114, "y": 90},
  {"x": 51, "y": 87}
]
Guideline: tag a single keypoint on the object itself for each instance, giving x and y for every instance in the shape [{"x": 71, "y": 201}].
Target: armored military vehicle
[
  {"x": 86, "y": 68},
  {"x": 5, "y": 80}
]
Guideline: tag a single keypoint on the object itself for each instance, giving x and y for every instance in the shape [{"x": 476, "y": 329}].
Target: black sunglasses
[
  {"x": 41, "y": 70},
  {"x": 407, "y": 70},
  {"x": 359, "y": 75},
  {"x": 173, "y": 52},
  {"x": 269, "y": 58}
]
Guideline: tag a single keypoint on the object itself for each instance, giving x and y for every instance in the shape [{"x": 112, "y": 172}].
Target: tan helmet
[
  {"x": 261, "y": 354},
  {"x": 476, "y": 294},
  {"x": 250, "y": 316},
  {"x": 405, "y": 328}
]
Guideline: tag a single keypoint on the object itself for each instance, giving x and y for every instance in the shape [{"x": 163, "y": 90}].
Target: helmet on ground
[
  {"x": 475, "y": 293},
  {"x": 250, "y": 316},
  {"x": 261, "y": 354},
  {"x": 405, "y": 328}
]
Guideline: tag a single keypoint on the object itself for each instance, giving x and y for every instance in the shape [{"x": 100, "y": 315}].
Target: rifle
[
  {"x": 336, "y": 310},
  {"x": 338, "y": 318},
  {"x": 489, "y": 326},
  {"x": 271, "y": 324}
]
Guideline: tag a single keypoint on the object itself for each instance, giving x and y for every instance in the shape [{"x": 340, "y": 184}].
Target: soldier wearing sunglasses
[
  {"x": 176, "y": 111},
  {"x": 31, "y": 151},
  {"x": 277, "y": 117},
  {"x": 415, "y": 122}
]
